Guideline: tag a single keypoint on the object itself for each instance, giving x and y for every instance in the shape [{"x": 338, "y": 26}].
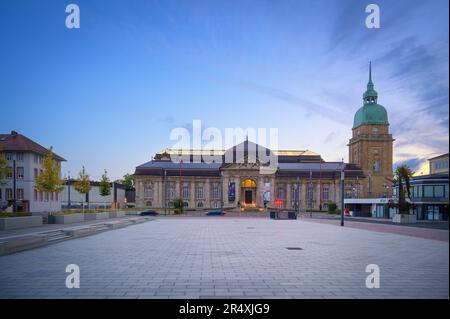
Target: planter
[
  {"x": 8, "y": 223},
  {"x": 404, "y": 219},
  {"x": 116, "y": 214},
  {"x": 68, "y": 219},
  {"x": 95, "y": 216}
]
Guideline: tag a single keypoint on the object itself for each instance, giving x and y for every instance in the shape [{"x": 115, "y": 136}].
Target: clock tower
[{"x": 371, "y": 145}]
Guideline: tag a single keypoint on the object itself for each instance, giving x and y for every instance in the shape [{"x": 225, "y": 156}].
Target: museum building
[{"x": 302, "y": 180}]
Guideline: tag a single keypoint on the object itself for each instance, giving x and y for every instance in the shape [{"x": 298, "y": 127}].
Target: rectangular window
[
  {"x": 46, "y": 197},
  {"x": 20, "y": 194},
  {"x": 9, "y": 173},
  {"x": 148, "y": 192},
  {"x": 57, "y": 197},
  {"x": 36, "y": 159},
  {"x": 36, "y": 173},
  {"x": 52, "y": 196},
  {"x": 439, "y": 191},
  {"x": 19, "y": 157},
  {"x": 428, "y": 191},
  {"x": 185, "y": 192},
  {"x": 9, "y": 194},
  {"x": 41, "y": 196},
  {"x": 310, "y": 194},
  {"x": 216, "y": 192},
  {"x": 9, "y": 156},
  {"x": 281, "y": 193},
  {"x": 325, "y": 193},
  {"x": 35, "y": 195},
  {"x": 20, "y": 172},
  {"x": 199, "y": 192}
]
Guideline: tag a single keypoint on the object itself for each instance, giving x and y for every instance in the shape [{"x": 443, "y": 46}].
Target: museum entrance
[{"x": 248, "y": 193}]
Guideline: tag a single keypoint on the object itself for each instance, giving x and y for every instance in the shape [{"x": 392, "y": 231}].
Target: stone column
[
  {"x": 225, "y": 181},
  {"x": 192, "y": 202},
  {"x": 303, "y": 194},
  {"x": 207, "y": 193},
  {"x": 288, "y": 195},
  {"x": 238, "y": 189},
  {"x": 272, "y": 191}
]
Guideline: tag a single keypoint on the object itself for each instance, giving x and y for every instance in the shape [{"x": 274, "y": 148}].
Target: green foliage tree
[
  {"x": 82, "y": 184},
  {"x": 178, "y": 205},
  {"x": 49, "y": 180},
  {"x": 332, "y": 208},
  {"x": 4, "y": 169},
  {"x": 127, "y": 180},
  {"x": 105, "y": 185},
  {"x": 402, "y": 179}
]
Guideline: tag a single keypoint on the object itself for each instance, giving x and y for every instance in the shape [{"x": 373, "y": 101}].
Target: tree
[
  {"x": 4, "y": 169},
  {"x": 105, "y": 185},
  {"x": 127, "y": 180},
  {"x": 402, "y": 178},
  {"x": 82, "y": 184},
  {"x": 178, "y": 205},
  {"x": 49, "y": 180}
]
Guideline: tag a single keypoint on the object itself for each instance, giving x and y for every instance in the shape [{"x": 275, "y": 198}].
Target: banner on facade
[
  {"x": 231, "y": 191},
  {"x": 266, "y": 192}
]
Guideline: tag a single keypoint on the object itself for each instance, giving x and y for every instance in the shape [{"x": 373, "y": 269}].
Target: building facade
[
  {"x": 26, "y": 157},
  {"x": 439, "y": 164},
  {"x": 302, "y": 179},
  {"x": 71, "y": 198}
]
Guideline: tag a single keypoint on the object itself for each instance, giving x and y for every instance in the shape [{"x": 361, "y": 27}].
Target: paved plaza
[{"x": 220, "y": 257}]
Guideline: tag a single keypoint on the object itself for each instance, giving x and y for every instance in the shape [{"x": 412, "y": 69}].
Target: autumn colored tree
[
  {"x": 4, "y": 169},
  {"x": 49, "y": 181}
]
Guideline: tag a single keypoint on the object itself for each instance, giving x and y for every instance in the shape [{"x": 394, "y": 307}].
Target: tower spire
[{"x": 370, "y": 96}]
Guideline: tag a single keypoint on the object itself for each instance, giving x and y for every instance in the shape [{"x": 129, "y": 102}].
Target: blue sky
[{"x": 108, "y": 94}]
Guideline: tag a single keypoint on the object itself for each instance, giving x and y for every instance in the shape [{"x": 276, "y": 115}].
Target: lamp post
[
  {"x": 310, "y": 195},
  {"x": 68, "y": 191},
  {"x": 165, "y": 192},
  {"x": 14, "y": 187},
  {"x": 342, "y": 193}
]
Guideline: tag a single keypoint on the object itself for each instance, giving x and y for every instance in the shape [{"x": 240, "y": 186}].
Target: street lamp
[
  {"x": 68, "y": 191},
  {"x": 342, "y": 193}
]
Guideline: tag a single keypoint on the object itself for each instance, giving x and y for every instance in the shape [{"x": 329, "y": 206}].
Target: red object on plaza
[
  {"x": 279, "y": 202},
  {"x": 347, "y": 212}
]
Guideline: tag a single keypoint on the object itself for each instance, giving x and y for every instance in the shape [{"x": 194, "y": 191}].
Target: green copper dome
[{"x": 370, "y": 112}]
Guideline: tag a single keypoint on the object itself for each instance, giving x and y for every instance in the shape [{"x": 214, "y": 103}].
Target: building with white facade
[
  {"x": 94, "y": 200},
  {"x": 25, "y": 159}
]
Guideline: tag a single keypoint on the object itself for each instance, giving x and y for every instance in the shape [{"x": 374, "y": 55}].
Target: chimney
[{"x": 14, "y": 133}]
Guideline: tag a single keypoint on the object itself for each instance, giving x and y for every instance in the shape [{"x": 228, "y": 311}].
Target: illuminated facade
[{"x": 302, "y": 179}]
